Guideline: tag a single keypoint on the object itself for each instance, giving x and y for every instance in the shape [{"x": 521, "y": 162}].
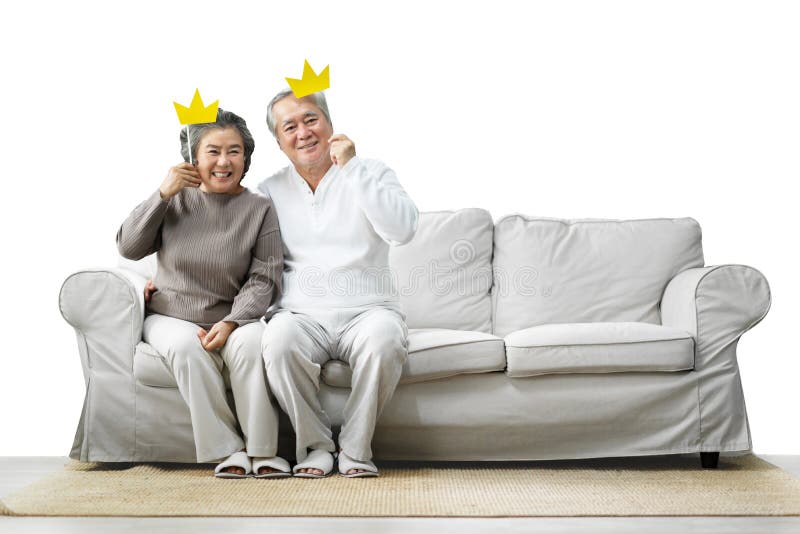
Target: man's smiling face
[{"x": 302, "y": 131}]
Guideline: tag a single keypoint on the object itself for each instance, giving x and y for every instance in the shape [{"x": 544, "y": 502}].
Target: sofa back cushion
[
  {"x": 589, "y": 270},
  {"x": 444, "y": 274}
]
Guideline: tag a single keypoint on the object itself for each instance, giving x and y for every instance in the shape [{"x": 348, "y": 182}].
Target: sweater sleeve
[
  {"x": 140, "y": 233},
  {"x": 383, "y": 200},
  {"x": 263, "y": 283}
]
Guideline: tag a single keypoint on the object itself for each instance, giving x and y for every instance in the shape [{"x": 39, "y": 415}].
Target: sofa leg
[{"x": 709, "y": 460}]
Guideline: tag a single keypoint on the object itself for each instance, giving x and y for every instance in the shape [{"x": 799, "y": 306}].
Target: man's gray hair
[
  {"x": 225, "y": 119},
  {"x": 318, "y": 98}
]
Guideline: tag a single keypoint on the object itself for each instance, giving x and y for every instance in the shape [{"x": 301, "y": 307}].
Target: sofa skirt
[{"x": 488, "y": 416}]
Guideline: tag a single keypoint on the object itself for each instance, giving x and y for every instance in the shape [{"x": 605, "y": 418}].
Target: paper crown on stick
[
  {"x": 197, "y": 113},
  {"x": 311, "y": 82}
]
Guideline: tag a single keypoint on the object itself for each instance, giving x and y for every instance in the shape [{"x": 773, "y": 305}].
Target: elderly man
[{"x": 338, "y": 215}]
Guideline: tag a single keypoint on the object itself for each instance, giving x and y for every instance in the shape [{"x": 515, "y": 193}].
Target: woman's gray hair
[
  {"x": 225, "y": 119},
  {"x": 318, "y": 98}
]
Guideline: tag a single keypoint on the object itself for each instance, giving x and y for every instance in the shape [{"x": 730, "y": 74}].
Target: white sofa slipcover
[
  {"x": 435, "y": 353},
  {"x": 550, "y": 271},
  {"x": 583, "y": 290},
  {"x": 445, "y": 273},
  {"x": 598, "y": 348}
]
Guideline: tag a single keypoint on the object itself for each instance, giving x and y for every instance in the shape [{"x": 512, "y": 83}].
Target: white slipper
[
  {"x": 237, "y": 459},
  {"x": 317, "y": 459},
  {"x": 346, "y": 464},
  {"x": 275, "y": 462}
]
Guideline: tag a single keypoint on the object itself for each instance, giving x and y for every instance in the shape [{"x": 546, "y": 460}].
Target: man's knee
[
  {"x": 387, "y": 353},
  {"x": 280, "y": 341},
  {"x": 278, "y": 333},
  {"x": 384, "y": 342}
]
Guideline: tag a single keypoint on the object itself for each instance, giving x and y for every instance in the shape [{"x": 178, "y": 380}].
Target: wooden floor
[{"x": 17, "y": 472}]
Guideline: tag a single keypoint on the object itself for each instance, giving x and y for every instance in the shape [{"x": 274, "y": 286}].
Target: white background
[{"x": 561, "y": 109}]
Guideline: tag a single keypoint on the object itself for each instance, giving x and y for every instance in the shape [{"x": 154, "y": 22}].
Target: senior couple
[{"x": 228, "y": 257}]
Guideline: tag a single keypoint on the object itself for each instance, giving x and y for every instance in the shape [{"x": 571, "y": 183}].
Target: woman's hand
[
  {"x": 178, "y": 177},
  {"x": 217, "y": 336},
  {"x": 149, "y": 289}
]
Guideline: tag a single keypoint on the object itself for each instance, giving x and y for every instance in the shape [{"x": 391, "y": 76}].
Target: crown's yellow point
[
  {"x": 311, "y": 82},
  {"x": 197, "y": 113}
]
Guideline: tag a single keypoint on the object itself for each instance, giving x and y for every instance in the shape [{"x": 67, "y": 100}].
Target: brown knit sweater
[{"x": 220, "y": 256}]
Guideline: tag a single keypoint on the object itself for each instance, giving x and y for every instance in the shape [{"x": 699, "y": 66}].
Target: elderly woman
[{"x": 220, "y": 260}]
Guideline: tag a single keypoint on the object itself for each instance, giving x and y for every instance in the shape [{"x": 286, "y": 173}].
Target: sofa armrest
[
  {"x": 716, "y": 305},
  {"x": 106, "y": 309},
  {"x": 106, "y": 306}
]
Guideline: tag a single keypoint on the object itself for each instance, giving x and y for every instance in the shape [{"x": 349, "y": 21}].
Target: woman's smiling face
[{"x": 220, "y": 160}]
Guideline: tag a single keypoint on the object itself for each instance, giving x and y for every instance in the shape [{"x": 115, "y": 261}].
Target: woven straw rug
[{"x": 648, "y": 486}]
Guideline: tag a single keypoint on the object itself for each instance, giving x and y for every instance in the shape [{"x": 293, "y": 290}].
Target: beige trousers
[
  {"x": 372, "y": 340},
  {"x": 199, "y": 376}
]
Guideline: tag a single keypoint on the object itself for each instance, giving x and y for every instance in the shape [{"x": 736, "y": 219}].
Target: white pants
[
  {"x": 198, "y": 373},
  {"x": 372, "y": 340}
]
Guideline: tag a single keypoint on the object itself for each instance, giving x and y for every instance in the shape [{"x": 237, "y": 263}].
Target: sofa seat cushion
[
  {"x": 435, "y": 353},
  {"x": 150, "y": 368},
  {"x": 598, "y": 348}
]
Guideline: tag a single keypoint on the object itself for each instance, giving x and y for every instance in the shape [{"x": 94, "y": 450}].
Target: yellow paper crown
[
  {"x": 311, "y": 82},
  {"x": 196, "y": 113}
]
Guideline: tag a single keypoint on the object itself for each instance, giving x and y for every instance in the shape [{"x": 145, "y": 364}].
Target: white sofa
[{"x": 529, "y": 338}]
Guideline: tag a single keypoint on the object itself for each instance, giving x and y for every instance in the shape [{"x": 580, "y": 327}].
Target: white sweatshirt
[{"x": 336, "y": 240}]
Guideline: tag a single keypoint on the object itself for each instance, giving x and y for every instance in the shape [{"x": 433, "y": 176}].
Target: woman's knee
[
  {"x": 183, "y": 352},
  {"x": 243, "y": 347}
]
